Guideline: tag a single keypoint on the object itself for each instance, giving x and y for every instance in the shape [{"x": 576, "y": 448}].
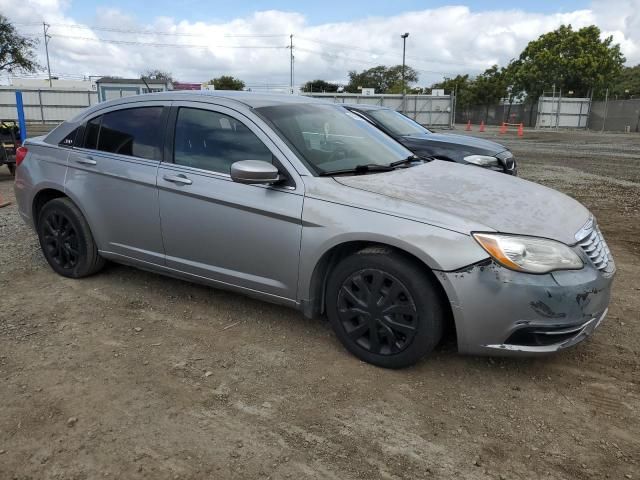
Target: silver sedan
[{"x": 302, "y": 203}]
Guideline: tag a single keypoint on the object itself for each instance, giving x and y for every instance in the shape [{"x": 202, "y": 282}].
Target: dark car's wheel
[
  {"x": 12, "y": 169},
  {"x": 66, "y": 240},
  {"x": 384, "y": 308}
]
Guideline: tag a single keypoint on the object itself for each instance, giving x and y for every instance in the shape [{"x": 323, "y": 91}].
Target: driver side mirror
[{"x": 255, "y": 172}]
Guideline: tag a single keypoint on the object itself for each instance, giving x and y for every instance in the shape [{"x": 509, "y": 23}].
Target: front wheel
[
  {"x": 66, "y": 240},
  {"x": 384, "y": 308}
]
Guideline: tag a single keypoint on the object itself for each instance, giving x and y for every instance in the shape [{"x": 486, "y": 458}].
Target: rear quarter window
[{"x": 73, "y": 139}]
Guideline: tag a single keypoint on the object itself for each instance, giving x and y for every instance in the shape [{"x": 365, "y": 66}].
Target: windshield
[
  {"x": 397, "y": 123},
  {"x": 329, "y": 138}
]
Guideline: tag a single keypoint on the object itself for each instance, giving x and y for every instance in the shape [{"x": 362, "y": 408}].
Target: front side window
[
  {"x": 135, "y": 132},
  {"x": 329, "y": 138},
  {"x": 213, "y": 141}
]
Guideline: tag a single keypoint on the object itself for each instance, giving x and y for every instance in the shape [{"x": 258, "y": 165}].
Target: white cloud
[{"x": 446, "y": 40}]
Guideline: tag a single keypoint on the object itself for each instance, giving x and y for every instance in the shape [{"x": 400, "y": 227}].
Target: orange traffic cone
[
  {"x": 468, "y": 129},
  {"x": 503, "y": 128},
  {"x": 482, "y": 126},
  {"x": 521, "y": 130},
  {"x": 3, "y": 203}
]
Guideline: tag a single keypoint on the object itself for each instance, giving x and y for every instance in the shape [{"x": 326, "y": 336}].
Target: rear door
[
  {"x": 243, "y": 235},
  {"x": 112, "y": 174}
]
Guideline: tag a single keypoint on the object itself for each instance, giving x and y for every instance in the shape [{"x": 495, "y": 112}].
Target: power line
[
  {"x": 168, "y": 45},
  {"x": 154, "y": 32}
]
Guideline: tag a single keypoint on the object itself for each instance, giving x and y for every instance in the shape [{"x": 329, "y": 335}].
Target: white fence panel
[
  {"x": 563, "y": 112},
  {"x": 45, "y": 105},
  {"x": 430, "y": 110}
]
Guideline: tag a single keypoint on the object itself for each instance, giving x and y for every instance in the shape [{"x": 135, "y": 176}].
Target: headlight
[
  {"x": 529, "y": 254},
  {"x": 483, "y": 160}
]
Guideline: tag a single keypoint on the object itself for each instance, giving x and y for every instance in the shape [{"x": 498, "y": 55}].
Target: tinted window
[
  {"x": 213, "y": 141},
  {"x": 72, "y": 138},
  {"x": 136, "y": 132},
  {"x": 93, "y": 130}
]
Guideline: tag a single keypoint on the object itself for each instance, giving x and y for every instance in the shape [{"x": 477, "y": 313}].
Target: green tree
[
  {"x": 157, "y": 75},
  {"x": 489, "y": 88},
  {"x": 227, "y": 82},
  {"x": 627, "y": 84},
  {"x": 382, "y": 79},
  {"x": 16, "y": 51},
  {"x": 320, "y": 86},
  {"x": 576, "y": 60},
  {"x": 461, "y": 86}
]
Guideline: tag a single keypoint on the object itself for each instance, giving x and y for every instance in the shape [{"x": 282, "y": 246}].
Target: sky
[{"x": 197, "y": 40}]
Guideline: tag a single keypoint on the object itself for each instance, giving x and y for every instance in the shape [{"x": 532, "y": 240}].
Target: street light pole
[
  {"x": 291, "y": 63},
  {"x": 404, "y": 89}
]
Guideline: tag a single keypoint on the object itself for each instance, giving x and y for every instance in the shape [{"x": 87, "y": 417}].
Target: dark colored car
[{"x": 443, "y": 146}]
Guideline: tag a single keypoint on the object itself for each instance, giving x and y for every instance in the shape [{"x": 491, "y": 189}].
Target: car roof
[{"x": 250, "y": 99}]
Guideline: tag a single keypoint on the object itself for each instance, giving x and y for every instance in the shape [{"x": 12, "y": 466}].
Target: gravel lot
[{"x": 132, "y": 375}]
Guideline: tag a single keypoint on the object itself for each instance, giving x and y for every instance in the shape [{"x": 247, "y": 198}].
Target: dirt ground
[{"x": 132, "y": 375}]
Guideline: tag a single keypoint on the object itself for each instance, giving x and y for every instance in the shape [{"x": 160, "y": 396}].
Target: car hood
[
  {"x": 499, "y": 202},
  {"x": 466, "y": 144}
]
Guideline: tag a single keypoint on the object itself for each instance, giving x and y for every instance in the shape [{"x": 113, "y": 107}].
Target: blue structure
[{"x": 21, "y": 122}]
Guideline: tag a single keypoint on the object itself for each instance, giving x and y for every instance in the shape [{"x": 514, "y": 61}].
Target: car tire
[
  {"x": 12, "y": 169},
  {"x": 384, "y": 307},
  {"x": 66, "y": 240}
]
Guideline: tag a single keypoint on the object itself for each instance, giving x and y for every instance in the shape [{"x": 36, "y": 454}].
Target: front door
[{"x": 212, "y": 227}]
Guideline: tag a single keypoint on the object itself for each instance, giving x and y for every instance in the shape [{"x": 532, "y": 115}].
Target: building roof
[{"x": 131, "y": 80}]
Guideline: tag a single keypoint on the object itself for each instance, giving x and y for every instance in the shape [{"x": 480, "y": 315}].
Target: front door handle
[
  {"x": 86, "y": 161},
  {"x": 179, "y": 179}
]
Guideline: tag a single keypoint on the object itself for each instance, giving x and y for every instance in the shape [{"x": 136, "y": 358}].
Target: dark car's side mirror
[{"x": 256, "y": 172}]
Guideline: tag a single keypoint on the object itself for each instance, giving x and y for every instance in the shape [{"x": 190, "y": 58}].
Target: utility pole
[
  {"x": 291, "y": 62},
  {"x": 45, "y": 29},
  {"x": 404, "y": 89}
]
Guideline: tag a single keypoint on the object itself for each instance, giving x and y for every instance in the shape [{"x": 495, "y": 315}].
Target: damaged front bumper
[{"x": 502, "y": 312}]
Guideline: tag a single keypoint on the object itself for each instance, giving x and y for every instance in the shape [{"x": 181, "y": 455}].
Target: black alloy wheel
[
  {"x": 377, "y": 311},
  {"x": 66, "y": 239},
  {"x": 384, "y": 307},
  {"x": 60, "y": 240}
]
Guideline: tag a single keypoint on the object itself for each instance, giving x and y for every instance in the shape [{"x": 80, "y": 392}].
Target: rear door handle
[
  {"x": 86, "y": 161},
  {"x": 179, "y": 179}
]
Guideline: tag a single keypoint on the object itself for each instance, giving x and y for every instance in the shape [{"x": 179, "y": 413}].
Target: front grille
[{"x": 595, "y": 246}]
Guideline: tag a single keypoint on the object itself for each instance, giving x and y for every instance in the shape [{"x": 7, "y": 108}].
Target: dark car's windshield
[
  {"x": 397, "y": 123},
  {"x": 329, "y": 138}
]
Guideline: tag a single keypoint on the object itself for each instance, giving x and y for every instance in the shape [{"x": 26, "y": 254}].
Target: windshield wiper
[
  {"x": 405, "y": 161},
  {"x": 359, "y": 169}
]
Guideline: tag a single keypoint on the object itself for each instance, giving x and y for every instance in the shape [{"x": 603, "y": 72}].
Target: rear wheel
[
  {"x": 384, "y": 308},
  {"x": 66, "y": 240},
  {"x": 12, "y": 168}
]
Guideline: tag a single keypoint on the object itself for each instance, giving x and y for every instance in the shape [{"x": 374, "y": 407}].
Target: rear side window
[
  {"x": 213, "y": 141},
  {"x": 135, "y": 132}
]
